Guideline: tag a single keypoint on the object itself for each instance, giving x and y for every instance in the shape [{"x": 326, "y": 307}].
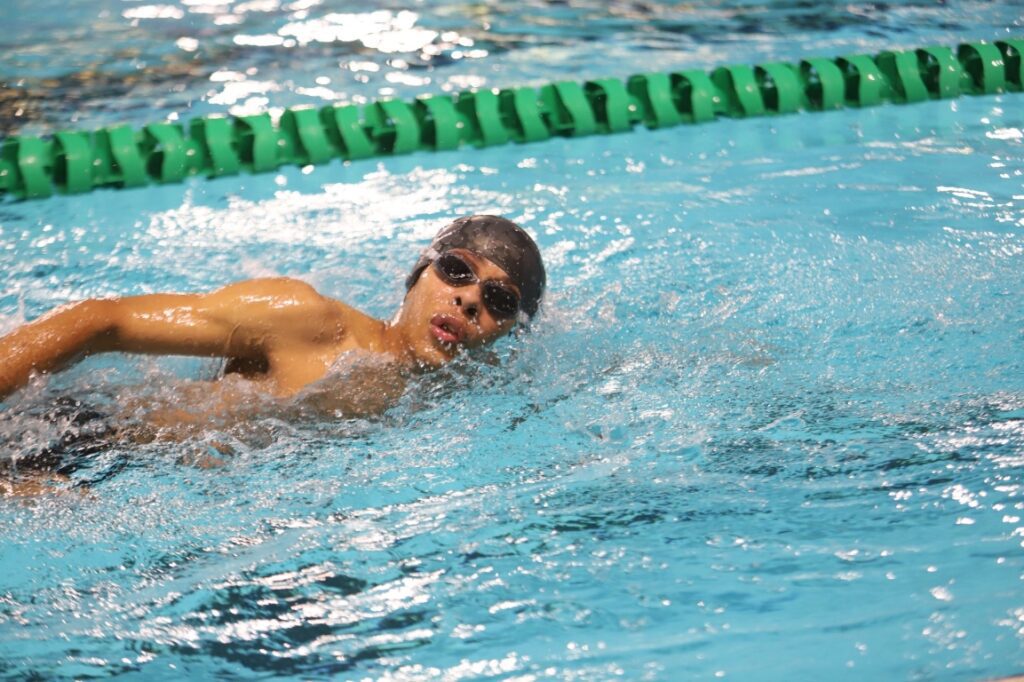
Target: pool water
[{"x": 769, "y": 422}]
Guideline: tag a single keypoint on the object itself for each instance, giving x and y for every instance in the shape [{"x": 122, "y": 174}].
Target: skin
[{"x": 280, "y": 334}]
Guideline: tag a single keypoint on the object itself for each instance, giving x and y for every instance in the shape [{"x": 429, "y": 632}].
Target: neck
[{"x": 394, "y": 343}]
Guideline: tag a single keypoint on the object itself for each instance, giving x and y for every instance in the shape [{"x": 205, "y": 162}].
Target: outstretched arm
[
  {"x": 52, "y": 341},
  {"x": 243, "y": 320}
]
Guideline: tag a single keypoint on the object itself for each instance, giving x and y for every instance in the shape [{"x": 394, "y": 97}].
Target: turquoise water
[{"x": 769, "y": 423}]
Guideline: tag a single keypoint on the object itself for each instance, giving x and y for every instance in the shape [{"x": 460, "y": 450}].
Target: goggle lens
[
  {"x": 454, "y": 270},
  {"x": 501, "y": 301}
]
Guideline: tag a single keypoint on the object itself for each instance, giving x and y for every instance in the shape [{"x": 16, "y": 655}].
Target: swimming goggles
[{"x": 500, "y": 300}]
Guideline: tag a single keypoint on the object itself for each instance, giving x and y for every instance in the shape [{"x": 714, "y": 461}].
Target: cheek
[{"x": 426, "y": 294}]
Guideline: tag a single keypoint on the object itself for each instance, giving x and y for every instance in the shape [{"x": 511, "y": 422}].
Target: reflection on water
[{"x": 108, "y": 62}]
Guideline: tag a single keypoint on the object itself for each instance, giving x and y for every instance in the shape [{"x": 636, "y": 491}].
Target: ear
[
  {"x": 417, "y": 272},
  {"x": 413, "y": 279}
]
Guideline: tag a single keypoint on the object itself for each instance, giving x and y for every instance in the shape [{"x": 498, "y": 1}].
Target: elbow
[{"x": 98, "y": 318}]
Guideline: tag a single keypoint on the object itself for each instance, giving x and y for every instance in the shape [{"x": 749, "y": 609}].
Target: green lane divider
[{"x": 71, "y": 162}]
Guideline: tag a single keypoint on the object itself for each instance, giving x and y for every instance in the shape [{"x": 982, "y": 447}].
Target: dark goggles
[{"x": 500, "y": 300}]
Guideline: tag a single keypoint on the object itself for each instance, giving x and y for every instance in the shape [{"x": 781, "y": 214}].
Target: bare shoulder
[
  {"x": 282, "y": 306},
  {"x": 284, "y": 289},
  {"x": 275, "y": 296},
  {"x": 297, "y": 292}
]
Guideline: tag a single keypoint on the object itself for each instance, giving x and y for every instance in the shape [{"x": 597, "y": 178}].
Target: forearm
[{"x": 53, "y": 341}]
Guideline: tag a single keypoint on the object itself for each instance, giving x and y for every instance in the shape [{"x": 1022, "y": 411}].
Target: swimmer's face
[{"x": 440, "y": 318}]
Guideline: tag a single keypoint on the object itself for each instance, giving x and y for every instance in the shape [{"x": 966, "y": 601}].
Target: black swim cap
[{"x": 500, "y": 241}]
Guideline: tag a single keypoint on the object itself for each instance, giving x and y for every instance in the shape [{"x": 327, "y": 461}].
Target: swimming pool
[{"x": 770, "y": 421}]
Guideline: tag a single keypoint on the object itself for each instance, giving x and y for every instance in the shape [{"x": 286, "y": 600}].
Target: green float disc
[
  {"x": 983, "y": 68},
  {"x": 72, "y": 162},
  {"x": 653, "y": 95},
  {"x": 696, "y": 98},
  {"x": 392, "y": 125},
  {"x": 256, "y": 141},
  {"x": 126, "y": 167},
  {"x": 614, "y": 109},
  {"x": 900, "y": 70},
  {"x": 780, "y": 88},
  {"x": 824, "y": 85},
  {"x": 864, "y": 81},
  {"x": 216, "y": 142},
  {"x": 439, "y": 122},
  {"x": 481, "y": 109},
  {"x": 167, "y": 152},
  {"x": 304, "y": 137},
  {"x": 1012, "y": 51},
  {"x": 566, "y": 109},
  {"x": 30, "y": 158},
  {"x": 739, "y": 86},
  {"x": 940, "y": 71},
  {"x": 522, "y": 115}
]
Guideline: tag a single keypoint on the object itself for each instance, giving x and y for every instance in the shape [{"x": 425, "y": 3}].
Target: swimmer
[{"x": 479, "y": 278}]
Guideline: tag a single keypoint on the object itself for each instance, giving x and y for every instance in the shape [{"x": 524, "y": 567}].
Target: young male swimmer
[{"x": 480, "y": 276}]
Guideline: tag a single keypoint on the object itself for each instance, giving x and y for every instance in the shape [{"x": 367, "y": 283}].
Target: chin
[{"x": 431, "y": 356}]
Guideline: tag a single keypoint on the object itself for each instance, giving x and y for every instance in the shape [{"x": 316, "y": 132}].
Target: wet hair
[{"x": 500, "y": 241}]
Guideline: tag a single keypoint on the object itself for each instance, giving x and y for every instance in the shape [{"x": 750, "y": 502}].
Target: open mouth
[{"x": 447, "y": 329}]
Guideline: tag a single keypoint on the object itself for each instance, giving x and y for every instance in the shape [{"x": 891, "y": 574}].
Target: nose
[{"x": 469, "y": 303}]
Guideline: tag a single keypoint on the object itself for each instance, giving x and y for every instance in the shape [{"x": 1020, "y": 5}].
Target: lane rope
[{"x": 72, "y": 162}]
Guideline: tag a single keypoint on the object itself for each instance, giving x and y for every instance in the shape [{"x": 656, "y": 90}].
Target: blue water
[{"x": 769, "y": 423}]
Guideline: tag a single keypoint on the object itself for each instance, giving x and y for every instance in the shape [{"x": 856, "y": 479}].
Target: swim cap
[{"x": 498, "y": 240}]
